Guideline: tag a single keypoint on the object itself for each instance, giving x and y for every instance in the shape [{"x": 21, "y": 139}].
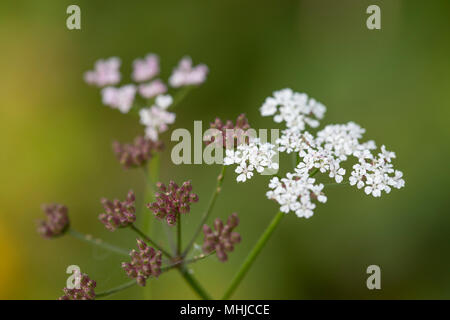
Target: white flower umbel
[
  {"x": 185, "y": 74},
  {"x": 295, "y": 109},
  {"x": 296, "y": 193},
  {"x": 254, "y": 156},
  {"x": 119, "y": 98},
  {"x": 376, "y": 174},
  {"x": 156, "y": 118}
]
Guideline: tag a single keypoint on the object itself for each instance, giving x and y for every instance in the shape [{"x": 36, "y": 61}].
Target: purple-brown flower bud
[
  {"x": 86, "y": 291},
  {"x": 136, "y": 154},
  {"x": 222, "y": 239},
  {"x": 229, "y": 135},
  {"x": 57, "y": 221},
  {"x": 144, "y": 263},
  {"x": 118, "y": 214},
  {"x": 172, "y": 200}
]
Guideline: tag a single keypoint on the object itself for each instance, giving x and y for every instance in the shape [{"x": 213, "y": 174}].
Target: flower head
[
  {"x": 229, "y": 134},
  {"x": 106, "y": 72},
  {"x": 119, "y": 98},
  {"x": 296, "y": 193},
  {"x": 172, "y": 200},
  {"x": 118, "y": 214},
  {"x": 156, "y": 118},
  {"x": 152, "y": 89},
  {"x": 57, "y": 221},
  {"x": 185, "y": 74},
  {"x": 136, "y": 154},
  {"x": 222, "y": 239},
  {"x": 144, "y": 263},
  {"x": 145, "y": 69},
  {"x": 86, "y": 290},
  {"x": 376, "y": 174},
  {"x": 255, "y": 155},
  {"x": 293, "y": 108}
]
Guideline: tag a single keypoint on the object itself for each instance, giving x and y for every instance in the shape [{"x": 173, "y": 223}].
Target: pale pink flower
[
  {"x": 119, "y": 98},
  {"x": 106, "y": 72},
  {"x": 152, "y": 89},
  {"x": 145, "y": 69},
  {"x": 184, "y": 74}
]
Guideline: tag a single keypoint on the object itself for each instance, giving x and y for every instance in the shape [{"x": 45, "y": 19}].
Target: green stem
[
  {"x": 195, "y": 285},
  {"x": 163, "y": 269},
  {"x": 179, "y": 234},
  {"x": 116, "y": 289},
  {"x": 97, "y": 242},
  {"x": 147, "y": 239},
  {"x": 208, "y": 210},
  {"x": 253, "y": 254}
]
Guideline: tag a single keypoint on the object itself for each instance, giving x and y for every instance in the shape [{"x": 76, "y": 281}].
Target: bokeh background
[{"x": 56, "y": 140}]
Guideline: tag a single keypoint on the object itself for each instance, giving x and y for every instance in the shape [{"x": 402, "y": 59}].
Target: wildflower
[
  {"x": 342, "y": 139},
  {"x": 118, "y": 214},
  {"x": 152, "y": 89},
  {"x": 295, "y": 141},
  {"x": 119, "y": 98},
  {"x": 85, "y": 292},
  {"x": 222, "y": 239},
  {"x": 294, "y": 108},
  {"x": 229, "y": 134},
  {"x": 255, "y": 155},
  {"x": 296, "y": 193},
  {"x": 136, "y": 154},
  {"x": 172, "y": 200},
  {"x": 145, "y": 69},
  {"x": 376, "y": 174},
  {"x": 106, "y": 72},
  {"x": 144, "y": 263},
  {"x": 184, "y": 74},
  {"x": 57, "y": 221},
  {"x": 156, "y": 118}
]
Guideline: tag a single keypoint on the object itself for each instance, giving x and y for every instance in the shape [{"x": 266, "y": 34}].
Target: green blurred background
[{"x": 56, "y": 139}]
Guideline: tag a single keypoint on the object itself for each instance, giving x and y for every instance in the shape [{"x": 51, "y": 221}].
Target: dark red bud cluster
[
  {"x": 222, "y": 239},
  {"x": 144, "y": 263},
  {"x": 172, "y": 200},
  {"x": 118, "y": 214}
]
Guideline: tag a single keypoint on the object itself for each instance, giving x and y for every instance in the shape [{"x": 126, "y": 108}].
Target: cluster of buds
[
  {"x": 145, "y": 263},
  {"x": 118, "y": 214},
  {"x": 57, "y": 221},
  {"x": 229, "y": 134},
  {"x": 85, "y": 290},
  {"x": 136, "y": 154},
  {"x": 172, "y": 200},
  {"x": 222, "y": 239}
]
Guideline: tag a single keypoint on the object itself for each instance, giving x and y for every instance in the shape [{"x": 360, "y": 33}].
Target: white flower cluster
[
  {"x": 255, "y": 155},
  {"x": 156, "y": 118},
  {"x": 296, "y": 193},
  {"x": 294, "y": 108},
  {"x": 376, "y": 174},
  {"x": 323, "y": 153}
]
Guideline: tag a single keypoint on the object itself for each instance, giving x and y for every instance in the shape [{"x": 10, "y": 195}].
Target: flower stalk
[{"x": 253, "y": 255}]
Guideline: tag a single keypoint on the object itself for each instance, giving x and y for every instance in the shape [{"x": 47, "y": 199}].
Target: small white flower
[
  {"x": 156, "y": 118},
  {"x": 252, "y": 156},
  {"x": 164, "y": 101},
  {"x": 294, "y": 108}
]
